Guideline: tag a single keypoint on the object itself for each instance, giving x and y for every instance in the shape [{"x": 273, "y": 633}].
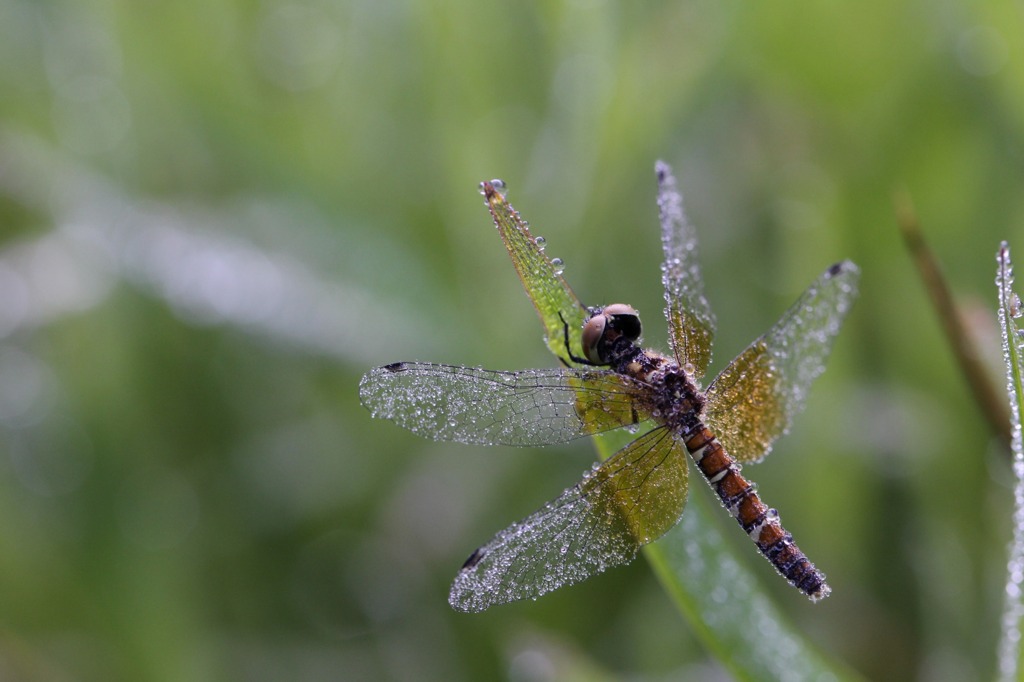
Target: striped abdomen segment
[{"x": 758, "y": 521}]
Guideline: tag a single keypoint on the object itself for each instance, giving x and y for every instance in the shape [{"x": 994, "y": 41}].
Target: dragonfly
[{"x": 607, "y": 381}]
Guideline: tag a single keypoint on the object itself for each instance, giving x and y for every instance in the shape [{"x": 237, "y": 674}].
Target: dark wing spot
[
  {"x": 835, "y": 269},
  {"x": 473, "y": 559},
  {"x": 394, "y": 367},
  {"x": 661, "y": 169}
]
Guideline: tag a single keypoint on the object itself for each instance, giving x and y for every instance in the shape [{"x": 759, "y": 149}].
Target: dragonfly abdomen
[{"x": 760, "y": 522}]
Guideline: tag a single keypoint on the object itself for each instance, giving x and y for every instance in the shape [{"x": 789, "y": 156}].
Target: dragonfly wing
[
  {"x": 561, "y": 312},
  {"x": 631, "y": 499},
  {"x": 479, "y": 406},
  {"x": 690, "y": 320},
  {"x": 753, "y": 401}
]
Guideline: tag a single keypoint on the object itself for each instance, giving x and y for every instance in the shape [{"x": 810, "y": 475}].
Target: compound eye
[
  {"x": 593, "y": 332},
  {"x": 624, "y": 319},
  {"x": 604, "y": 327}
]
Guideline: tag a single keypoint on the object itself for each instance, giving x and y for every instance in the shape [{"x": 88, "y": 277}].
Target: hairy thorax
[{"x": 675, "y": 400}]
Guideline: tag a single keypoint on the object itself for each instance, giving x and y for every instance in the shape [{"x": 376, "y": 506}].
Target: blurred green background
[{"x": 216, "y": 215}]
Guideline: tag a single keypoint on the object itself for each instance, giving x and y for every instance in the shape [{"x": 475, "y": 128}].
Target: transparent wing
[
  {"x": 631, "y": 499},
  {"x": 753, "y": 401},
  {"x": 691, "y": 323},
  {"x": 559, "y": 308},
  {"x": 479, "y": 406}
]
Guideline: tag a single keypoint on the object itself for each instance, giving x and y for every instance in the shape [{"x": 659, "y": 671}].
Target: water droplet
[
  {"x": 540, "y": 240},
  {"x": 559, "y": 265}
]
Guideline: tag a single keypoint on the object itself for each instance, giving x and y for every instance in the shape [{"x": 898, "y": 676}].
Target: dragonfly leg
[{"x": 568, "y": 348}]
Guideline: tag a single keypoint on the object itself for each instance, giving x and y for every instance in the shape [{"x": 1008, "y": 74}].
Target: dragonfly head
[{"x": 605, "y": 326}]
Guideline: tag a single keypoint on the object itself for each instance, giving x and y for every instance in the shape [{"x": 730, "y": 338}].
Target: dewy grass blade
[{"x": 1009, "y": 313}]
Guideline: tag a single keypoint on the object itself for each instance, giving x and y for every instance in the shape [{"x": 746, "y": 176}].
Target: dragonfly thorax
[{"x": 678, "y": 401}]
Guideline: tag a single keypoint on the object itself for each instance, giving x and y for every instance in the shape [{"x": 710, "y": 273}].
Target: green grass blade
[{"x": 1009, "y": 312}]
